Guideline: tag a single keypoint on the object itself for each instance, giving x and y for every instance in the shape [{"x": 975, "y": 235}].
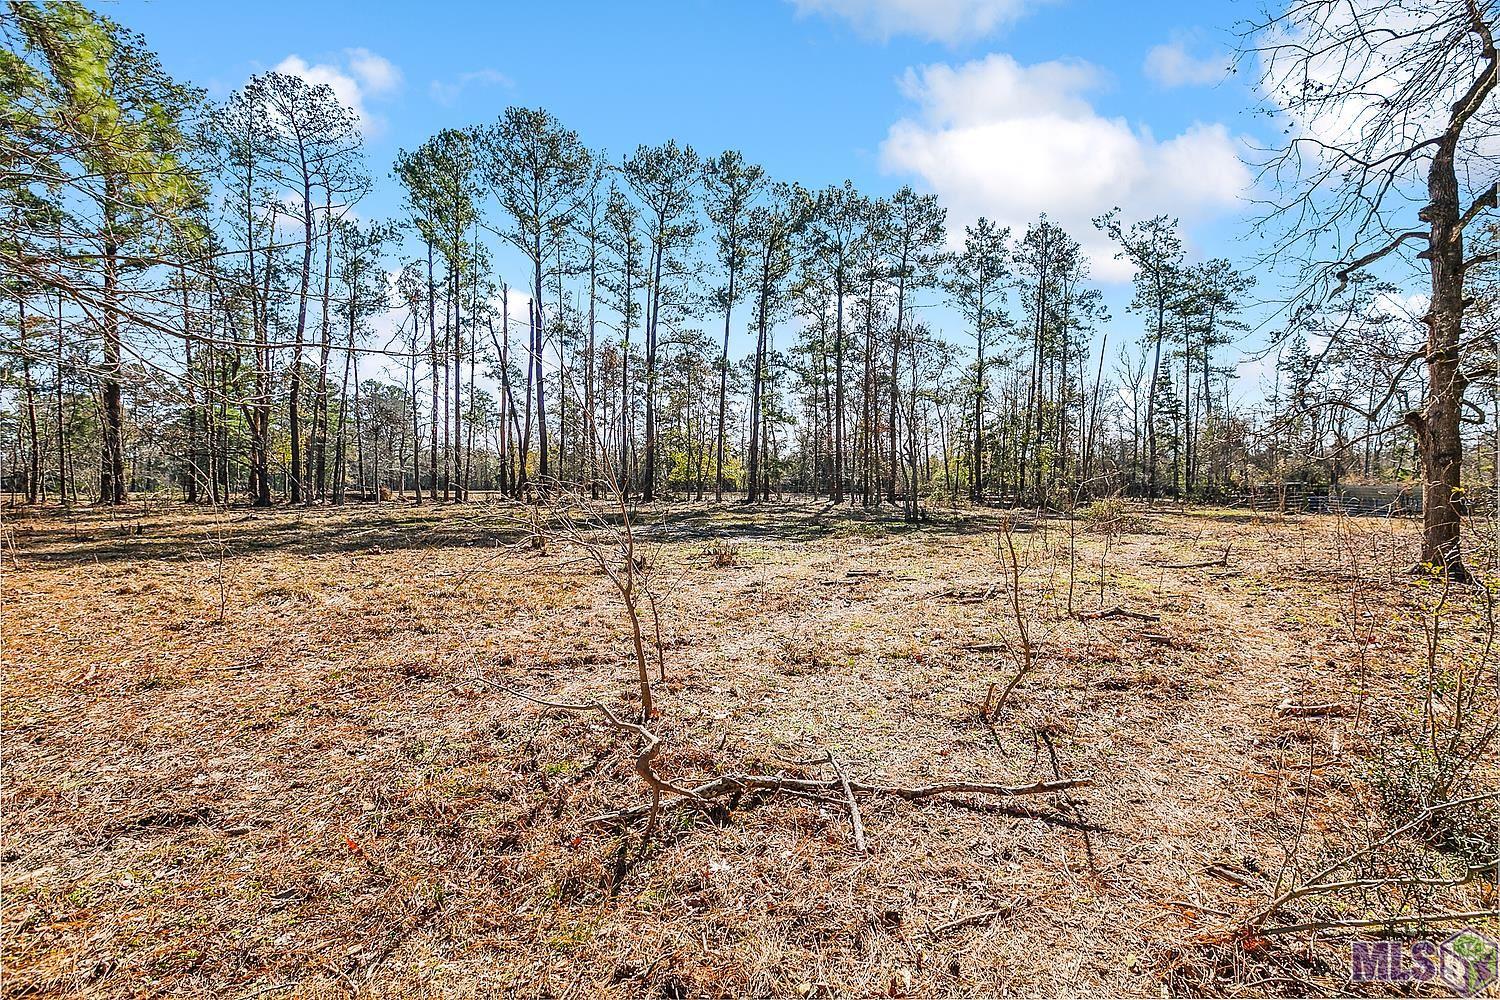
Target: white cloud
[
  {"x": 1408, "y": 307},
  {"x": 376, "y": 73},
  {"x": 950, "y": 21},
  {"x": 364, "y": 75},
  {"x": 447, "y": 92},
  {"x": 1172, "y": 65},
  {"x": 1009, "y": 142},
  {"x": 344, "y": 86}
]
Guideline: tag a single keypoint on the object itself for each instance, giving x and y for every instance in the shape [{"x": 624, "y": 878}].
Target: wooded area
[
  {"x": 198, "y": 307},
  {"x": 640, "y": 574}
]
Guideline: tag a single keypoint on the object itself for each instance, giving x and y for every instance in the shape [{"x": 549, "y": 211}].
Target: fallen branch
[
  {"x": 1315, "y": 883},
  {"x": 818, "y": 789},
  {"x": 1471, "y": 874},
  {"x": 855, "y": 820},
  {"x": 983, "y": 917},
  {"x": 1303, "y": 711},
  {"x": 970, "y": 595},
  {"x": 1202, "y": 564},
  {"x": 729, "y": 784},
  {"x": 1415, "y": 918},
  {"x": 1119, "y": 612},
  {"x": 1222, "y": 871},
  {"x": 650, "y": 746},
  {"x": 974, "y": 787},
  {"x": 1188, "y": 904}
]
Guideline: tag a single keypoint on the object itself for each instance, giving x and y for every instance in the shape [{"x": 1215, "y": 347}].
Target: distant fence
[
  {"x": 1367, "y": 501},
  {"x": 1298, "y": 498},
  {"x": 1356, "y": 501}
]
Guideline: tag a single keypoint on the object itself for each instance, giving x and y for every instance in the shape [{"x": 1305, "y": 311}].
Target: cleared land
[{"x": 254, "y": 750}]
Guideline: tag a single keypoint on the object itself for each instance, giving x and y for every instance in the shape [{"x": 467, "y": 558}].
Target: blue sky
[{"x": 1004, "y": 107}]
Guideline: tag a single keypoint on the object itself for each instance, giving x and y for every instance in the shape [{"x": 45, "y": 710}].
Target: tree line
[{"x": 195, "y": 302}]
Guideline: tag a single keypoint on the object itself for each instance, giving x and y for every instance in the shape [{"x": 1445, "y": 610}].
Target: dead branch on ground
[
  {"x": 706, "y": 795},
  {"x": 1223, "y": 560},
  {"x": 1118, "y": 612}
]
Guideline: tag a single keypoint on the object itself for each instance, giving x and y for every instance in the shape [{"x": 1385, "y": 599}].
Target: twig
[
  {"x": 983, "y": 917},
  {"x": 1314, "y": 883},
  {"x": 277, "y": 988},
  {"x": 1202, "y": 564},
  {"x": 1188, "y": 904},
  {"x": 1416, "y": 918},
  {"x": 1119, "y": 612},
  {"x": 854, "y": 818},
  {"x": 1471, "y": 874},
  {"x": 1329, "y": 708}
]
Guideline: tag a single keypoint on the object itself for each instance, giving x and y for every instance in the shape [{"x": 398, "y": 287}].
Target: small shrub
[
  {"x": 723, "y": 553},
  {"x": 1407, "y": 777},
  {"x": 1110, "y": 515}
]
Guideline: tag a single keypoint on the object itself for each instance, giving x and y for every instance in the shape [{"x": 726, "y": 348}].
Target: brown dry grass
[{"x": 246, "y": 751}]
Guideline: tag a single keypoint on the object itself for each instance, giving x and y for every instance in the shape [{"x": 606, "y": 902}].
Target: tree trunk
[
  {"x": 1437, "y": 426},
  {"x": 34, "y": 485},
  {"x": 317, "y": 461},
  {"x": 63, "y": 493},
  {"x": 294, "y": 387},
  {"x": 838, "y": 387},
  {"x": 648, "y": 486},
  {"x": 538, "y": 342},
  {"x": 432, "y": 363},
  {"x": 723, "y": 391},
  {"x": 752, "y": 452},
  {"x": 112, "y": 486}
]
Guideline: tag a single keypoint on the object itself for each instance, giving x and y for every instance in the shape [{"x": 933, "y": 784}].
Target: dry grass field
[{"x": 262, "y": 753}]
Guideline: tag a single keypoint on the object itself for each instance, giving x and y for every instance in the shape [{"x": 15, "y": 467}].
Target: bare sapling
[
  {"x": 1107, "y": 518},
  {"x": 608, "y": 539},
  {"x": 1073, "y": 496},
  {"x": 1021, "y": 619}
]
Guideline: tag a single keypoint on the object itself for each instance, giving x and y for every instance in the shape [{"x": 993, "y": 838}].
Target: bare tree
[{"x": 1392, "y": 117}]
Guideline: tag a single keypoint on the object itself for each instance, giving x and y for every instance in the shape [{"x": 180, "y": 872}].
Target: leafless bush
[
  {"x": 1446, "y": 751},
  {"x": 1110, "y": 516},
  {"x": 1425, "y": 787},
  {"x": 723, "y": 554}
]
